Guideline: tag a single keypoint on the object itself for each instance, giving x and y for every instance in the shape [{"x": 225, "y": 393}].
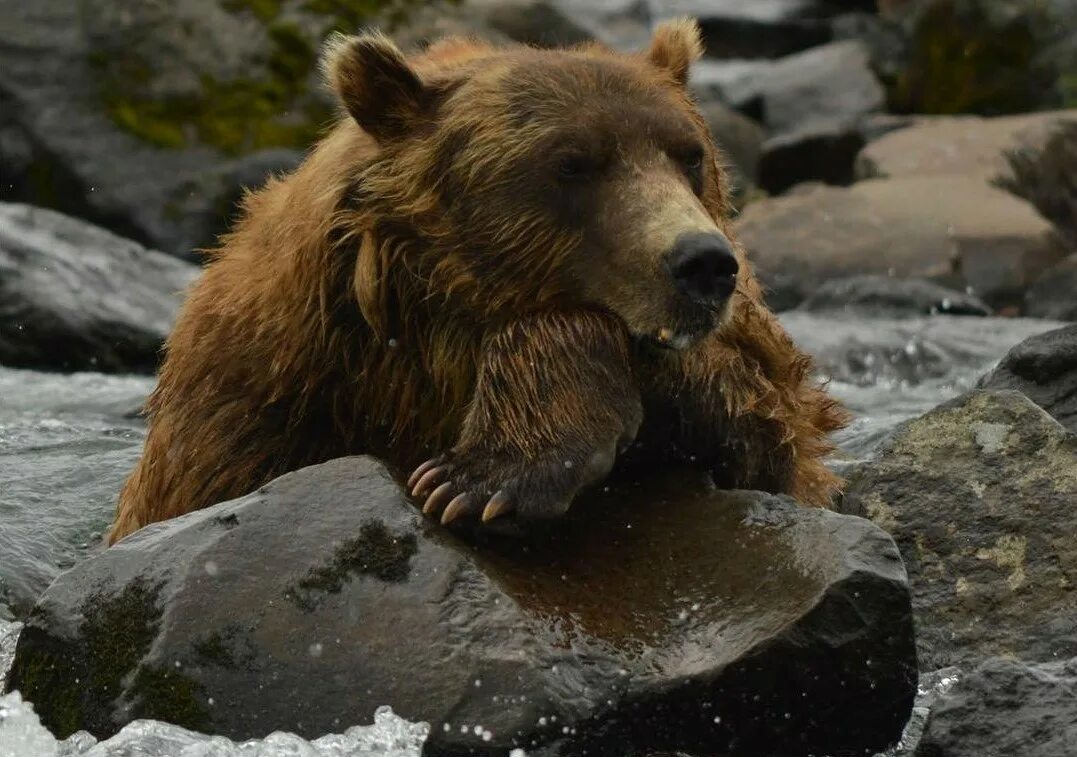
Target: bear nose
[{"x": 704, "y": 267}]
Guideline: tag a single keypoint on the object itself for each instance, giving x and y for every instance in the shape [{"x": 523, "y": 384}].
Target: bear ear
[
  {"x": 374, "y": 82},
  {"x": 675, "y": 46}
]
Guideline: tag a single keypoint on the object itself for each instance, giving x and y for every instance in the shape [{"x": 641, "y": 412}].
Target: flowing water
[{"x": 68, "y": 441}]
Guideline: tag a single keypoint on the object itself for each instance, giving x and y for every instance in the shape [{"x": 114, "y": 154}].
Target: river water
[{"x": 68, "y": 441}]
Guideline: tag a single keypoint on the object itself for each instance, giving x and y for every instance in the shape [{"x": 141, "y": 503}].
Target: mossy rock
[{"x": 264, "y": 94}]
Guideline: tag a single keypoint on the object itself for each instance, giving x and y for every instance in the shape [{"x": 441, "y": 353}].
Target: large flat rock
[
  {"x": 956, "y": 231},
  {"x": 979, "y": 495},
  {"x": 76, "y": 297},
  {"x": 969, "y": 146},
  {"x": 664, "y": 617}
]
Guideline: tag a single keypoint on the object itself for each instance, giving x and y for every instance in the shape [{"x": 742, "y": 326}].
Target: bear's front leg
[
  {"x": 743, "y": 404},
  {"x": 555, "y": 400}
]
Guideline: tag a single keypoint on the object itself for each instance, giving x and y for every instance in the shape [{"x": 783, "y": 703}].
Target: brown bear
[{"x": 515, "y": 261}]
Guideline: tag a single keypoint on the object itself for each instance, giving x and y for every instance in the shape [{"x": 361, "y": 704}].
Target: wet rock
[
  {"x": 824, "y": 152},
  {"x": 830, "y": 84},
  {"x": 622, "y": 24},
  {"x": 958, "y": 146},
  {"x": 955, "y": 231},
  {"x": 1006, "y": 707},
  {"x": 1045, "y": 174},
  {"x": 740, "y": 139},
  {"x": 234, "y": 620},
  {"x": 77, "y": 297},
  {"x": 532, "y": 22},
  {"x": 892, "y": 297},
  {"x": 1054, "y": 295},
  {"x": 979, "y": 495},
  {"x": 761, "y": 29},
  {"x": 1044, "y": 369},
  {"x": 143, "y": 117}
]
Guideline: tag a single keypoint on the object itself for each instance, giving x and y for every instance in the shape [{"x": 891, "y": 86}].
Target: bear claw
[
  {"x": 460, "y": 504},
  {"x": 419, "y": 472},
  {"x": 437, "y": 498},
  {"x": 498, "y": 505},
  {"x": 427, "y": 480}
]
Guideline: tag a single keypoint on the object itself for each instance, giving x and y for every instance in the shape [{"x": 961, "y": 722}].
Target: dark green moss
[
  {"x": 73, "y": 683},
  {"x": 969, "y": 57},
  {"x": 117, "y": 632},
  {"x": 374, "y": 552},
  {"x": 47, "y": 674},
  {"x": 263, "y": 10},
  {"x": 226, "y": 648},
  {"x": 272, "y": 108},
  {"x": 164, "y": 693}
]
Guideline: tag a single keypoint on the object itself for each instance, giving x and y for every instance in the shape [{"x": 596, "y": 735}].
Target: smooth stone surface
[
  {"x": 825, "y": 85},
  {"x": 1006, "y": 707},
  {"x": 957, "y": 145},
  {"x": 76, "y": 297},
  {"x": 647, "y": 622},
  {"x": 1044, "y": 369},
  {"x": 891, "y": 297},
  {"x": 979, "y": 495},
  {"x": 823, "y": 152},
  {"x": 955, "y": 231}
]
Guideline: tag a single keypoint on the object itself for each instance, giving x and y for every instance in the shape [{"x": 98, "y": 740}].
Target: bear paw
[{"x": 465, "y": 484}]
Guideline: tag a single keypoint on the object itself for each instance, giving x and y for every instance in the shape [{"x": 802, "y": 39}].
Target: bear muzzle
[{"x": 704, "y": 268}]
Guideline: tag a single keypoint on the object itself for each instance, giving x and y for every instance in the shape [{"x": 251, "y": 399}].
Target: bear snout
[{"x": 704, "y": 267}]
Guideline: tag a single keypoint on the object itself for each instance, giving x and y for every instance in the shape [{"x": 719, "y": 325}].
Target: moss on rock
[
  {"x": 374, "y": 552},
  {"x": 276, "y": 104}
]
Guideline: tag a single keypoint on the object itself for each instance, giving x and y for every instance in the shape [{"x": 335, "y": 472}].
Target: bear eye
[
  {"x": 693, "y": 160},
  {"x": 575, "y": 167}
]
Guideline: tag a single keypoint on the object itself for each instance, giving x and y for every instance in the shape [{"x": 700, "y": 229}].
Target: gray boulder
[
  {"x": 77, "y": 297},
  {"x": 979, "y": 495},
  {"x": 956, "y": 231},
  {"x": 1006, "y": 707},
  {"x": 830, "y": 84},
  {"x": 1044, "y": 369},
  {"x": 1054, "y": 294},
  {"x": 664, "y": 617},
  {"x": 823, "y": 152},
  {"x": 143, "y": 117},
  {"x": 741, "y": 141}
]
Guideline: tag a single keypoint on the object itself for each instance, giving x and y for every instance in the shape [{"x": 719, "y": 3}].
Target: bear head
[{"x": 519, "y": 178}]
